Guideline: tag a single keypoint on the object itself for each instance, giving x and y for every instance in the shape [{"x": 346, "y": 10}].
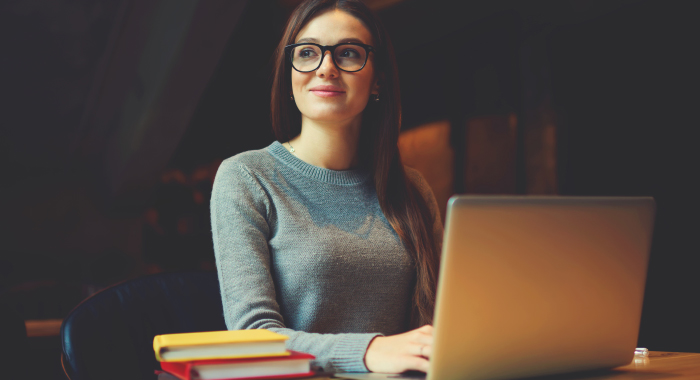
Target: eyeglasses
[{"x": 349, "y": 56}]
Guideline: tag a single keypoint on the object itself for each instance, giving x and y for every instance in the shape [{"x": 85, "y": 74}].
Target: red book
[{"x": 297, "y": 364}]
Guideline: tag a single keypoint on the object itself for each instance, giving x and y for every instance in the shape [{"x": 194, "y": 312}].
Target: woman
[{"x": 326, "y": 237}]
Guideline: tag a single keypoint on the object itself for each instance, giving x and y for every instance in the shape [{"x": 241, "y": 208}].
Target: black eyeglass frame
[{"x": 324, "y": 49}]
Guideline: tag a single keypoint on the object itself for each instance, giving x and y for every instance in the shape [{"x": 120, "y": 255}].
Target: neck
[{"x": 328, "y": 145}]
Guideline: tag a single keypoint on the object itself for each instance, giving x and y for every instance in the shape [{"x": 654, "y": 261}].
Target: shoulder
[
  {"x": 252, "y": 160},
  {"x": 253, "y": 163},
  {"x": 246, "y": 169},
  {"x": 241, "y": 180}
]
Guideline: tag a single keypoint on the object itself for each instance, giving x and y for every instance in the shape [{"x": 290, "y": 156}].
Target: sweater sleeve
[{"x": 240, "y": 215}]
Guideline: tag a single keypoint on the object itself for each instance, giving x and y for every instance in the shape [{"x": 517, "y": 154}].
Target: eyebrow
[{"x": 342, "y": 41}]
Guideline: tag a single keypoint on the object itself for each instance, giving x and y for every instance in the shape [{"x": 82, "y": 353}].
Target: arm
[
  {"x": 241, "y": 212},
  {"x": 410, "y": 350}
]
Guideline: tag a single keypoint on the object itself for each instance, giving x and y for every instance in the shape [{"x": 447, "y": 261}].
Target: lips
[{"x": 326, "y": 91}]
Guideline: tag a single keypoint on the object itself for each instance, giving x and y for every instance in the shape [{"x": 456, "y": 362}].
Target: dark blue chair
[{"x": 110, "y": 334}]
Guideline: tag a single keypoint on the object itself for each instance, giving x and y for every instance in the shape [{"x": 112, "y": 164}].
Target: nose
[{"x": 327, "y": 68}]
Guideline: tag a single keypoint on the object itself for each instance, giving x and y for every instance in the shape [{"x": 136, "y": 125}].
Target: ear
[{"x": 375, "y": 87}]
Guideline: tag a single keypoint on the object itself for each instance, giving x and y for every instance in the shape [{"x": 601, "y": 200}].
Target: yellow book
[{"x": 219, "y": 345}]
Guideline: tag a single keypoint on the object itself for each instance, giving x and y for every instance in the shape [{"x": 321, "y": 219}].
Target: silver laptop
[{"x": 535, "y": 286}]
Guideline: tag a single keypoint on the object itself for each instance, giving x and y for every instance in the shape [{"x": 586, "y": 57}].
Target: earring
[
  {"x": 291, "y": 96},
  {"x": 375, "y": 98}
]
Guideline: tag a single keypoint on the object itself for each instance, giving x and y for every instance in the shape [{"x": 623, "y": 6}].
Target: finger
[
  {"x": 424, "y": 339},
  {"x": 421, "y": 350},
  {"x": 415, "y": 349},
  {"x": 426, "y": 330},
  {"x": 427, "y": 351},
  {"x": 417, "y": 363}
]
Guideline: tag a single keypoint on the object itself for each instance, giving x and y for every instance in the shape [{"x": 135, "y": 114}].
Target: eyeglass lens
[{"x": 347, "y": 57}]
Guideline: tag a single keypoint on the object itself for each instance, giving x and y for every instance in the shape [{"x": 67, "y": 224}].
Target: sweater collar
[{"x": 338, "y": 177}]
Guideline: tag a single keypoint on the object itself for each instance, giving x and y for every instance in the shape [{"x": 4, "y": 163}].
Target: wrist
[{"x": 367, "y": 351}]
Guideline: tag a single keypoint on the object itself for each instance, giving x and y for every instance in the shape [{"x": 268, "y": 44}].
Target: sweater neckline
[{"x": 338, "y": 177}]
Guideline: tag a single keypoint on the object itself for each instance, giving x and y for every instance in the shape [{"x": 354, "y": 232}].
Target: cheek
[
  {"x": 366, "y": 81},
  {"x": 298, "y": 80},
  {"x": 363, "y": 85}
]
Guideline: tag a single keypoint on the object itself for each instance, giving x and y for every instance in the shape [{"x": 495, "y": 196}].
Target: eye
[
  {"x": 349, "y": 53},
  {"x": 307, "y": 53}
]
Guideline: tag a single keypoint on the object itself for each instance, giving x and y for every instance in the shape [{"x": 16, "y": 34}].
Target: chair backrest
[{"x": 110, "y": 335}]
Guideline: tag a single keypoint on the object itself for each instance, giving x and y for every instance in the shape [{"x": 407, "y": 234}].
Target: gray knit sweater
[{"x": 307, "y": 252}]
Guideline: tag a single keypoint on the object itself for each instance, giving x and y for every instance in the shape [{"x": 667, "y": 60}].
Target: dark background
[{"x": 90, "y": 198}]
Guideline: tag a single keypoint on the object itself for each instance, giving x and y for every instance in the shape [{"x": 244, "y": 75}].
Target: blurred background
[{"x": 116, "y": 115}]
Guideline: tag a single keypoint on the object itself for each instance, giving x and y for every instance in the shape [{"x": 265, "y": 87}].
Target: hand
[{"x": 402, "y": 352}]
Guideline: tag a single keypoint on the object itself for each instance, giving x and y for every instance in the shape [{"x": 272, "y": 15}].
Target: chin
[
  {"x": 331, "y": 114},
  {"x": 330, "y": 118}
]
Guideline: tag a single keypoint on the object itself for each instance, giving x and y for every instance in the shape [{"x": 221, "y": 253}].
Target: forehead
[{"x": 330, "y": 27}]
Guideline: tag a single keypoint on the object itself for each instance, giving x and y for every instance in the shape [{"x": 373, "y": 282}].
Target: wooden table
[{"x": 658, "y": 366}]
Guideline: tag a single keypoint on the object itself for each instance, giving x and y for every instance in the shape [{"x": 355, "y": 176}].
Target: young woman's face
[{"x": 329, "y": 94}]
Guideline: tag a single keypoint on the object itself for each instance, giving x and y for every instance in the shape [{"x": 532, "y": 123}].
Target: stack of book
[{"x": 235, "y": 354}]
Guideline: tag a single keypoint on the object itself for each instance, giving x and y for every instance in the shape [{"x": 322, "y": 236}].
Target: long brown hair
[{"x": 403, "y": 205}]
